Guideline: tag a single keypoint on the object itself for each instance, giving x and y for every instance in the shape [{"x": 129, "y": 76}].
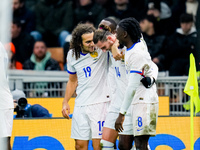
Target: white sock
[{"x": 106, "y": 145}]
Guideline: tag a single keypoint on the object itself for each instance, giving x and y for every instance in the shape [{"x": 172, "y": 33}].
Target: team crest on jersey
[{"x": 94, "y": 54}]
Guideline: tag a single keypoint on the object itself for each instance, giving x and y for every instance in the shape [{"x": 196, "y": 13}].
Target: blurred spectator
[
  {"x": 180, "y": 45},
  {"x": 105, "y": 3},
  {"x": 30, "y": 4},
  {"x": 161, "y": 10},
  {"x": 53, "y": 21},
  {"x": 177, "y": 7},
  {"x": 11, "y": 53},
  {"x": 197, "y": 50},
  {"x": 25, "y": 110},
  {"x": 24, "y": 15},
  {"x": 88, "y": 11},
  {"x": 191, "y": 7},
  {"x": 123, "y": 9},
  {"x": 41, "y": 59},
  {"x": 22, "y": 41},
  {"x": 102, "y": 2},
  {"x": 155, "y": 42}
]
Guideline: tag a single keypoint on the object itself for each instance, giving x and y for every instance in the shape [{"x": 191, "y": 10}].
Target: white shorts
[
  {"x": 144, "y": 118},
  {"x": 6, "y": 117},
  {"x": 127, "y": 125},
  {"x": 88, "y": 121}
]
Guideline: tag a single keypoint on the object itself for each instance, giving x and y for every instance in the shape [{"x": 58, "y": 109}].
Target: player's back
[{"x": 91, "y": 70}]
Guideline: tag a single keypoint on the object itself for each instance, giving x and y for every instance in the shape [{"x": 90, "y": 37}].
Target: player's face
[
  {"x": 87, "y": 43},
  {"x": 39, "y": 50},
  {"x": 120, "y": 34},
  {"x": 104, "y": 46}
]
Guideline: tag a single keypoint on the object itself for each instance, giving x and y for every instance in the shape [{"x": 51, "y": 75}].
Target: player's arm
[
  {"x": 133, "y": 84},
  {"x": 70, "y": 89},
  {"x": 115, "y": 51}
]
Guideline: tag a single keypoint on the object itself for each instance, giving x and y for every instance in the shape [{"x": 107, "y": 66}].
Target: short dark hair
[
  {"x": 41, "y": 42},
  {"x": 111, "y": 21},
  {"x": 151, "y": 18},
  {"x": 17, "y": 22},
  {"x": 108, "y": 28},
  {"x": 132, "y": 27},
  {"x": 76, "y": 40},
  {"x": 185, "y": 18},
  {"x": 100, "y": 35}
]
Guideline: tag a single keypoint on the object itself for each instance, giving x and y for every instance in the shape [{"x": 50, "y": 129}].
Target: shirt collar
[
  {"x": 133, "y": 45},
  {"x": 83, "y": 53}
]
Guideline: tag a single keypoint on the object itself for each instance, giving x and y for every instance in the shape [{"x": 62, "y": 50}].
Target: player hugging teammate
[{"x": 131, "y": 83}]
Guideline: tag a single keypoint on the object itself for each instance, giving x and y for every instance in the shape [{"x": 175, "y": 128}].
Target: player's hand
[
  {"x": 115, "y": 51},
  {"x": 147, "y": 81},
  {"x": 66, "y": 110},
  {"x": 119, "y": 123}
]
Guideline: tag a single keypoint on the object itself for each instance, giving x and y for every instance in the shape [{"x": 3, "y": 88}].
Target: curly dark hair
[
  {"x": 76, "y": 41},
  {"x": 100, "y": 35},
  {"x": 132, "y": 27}
]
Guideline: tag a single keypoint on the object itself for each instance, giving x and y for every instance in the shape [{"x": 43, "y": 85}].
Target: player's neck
[{"x": 129, "y": 44}]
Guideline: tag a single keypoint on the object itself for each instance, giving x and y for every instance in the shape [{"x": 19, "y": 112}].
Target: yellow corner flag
[{"x": 191, "y": 87}]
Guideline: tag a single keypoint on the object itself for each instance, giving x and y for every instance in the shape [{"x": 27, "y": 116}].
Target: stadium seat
[{"x": 57, "y": 54}]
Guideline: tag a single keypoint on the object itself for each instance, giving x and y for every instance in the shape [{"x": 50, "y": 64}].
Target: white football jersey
[
  {"x": 91, "y": 70},
  {"x": 138, "y": 60},
  {"x": 111, "y": 78},
  {"x": 6, "y": 99},
  {"x": 120, "y": 81}
]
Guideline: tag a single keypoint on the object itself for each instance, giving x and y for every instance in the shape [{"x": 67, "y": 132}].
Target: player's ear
[{"x": 125, "y": 34}]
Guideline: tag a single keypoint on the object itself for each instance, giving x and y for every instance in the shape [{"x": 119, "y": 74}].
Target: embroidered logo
[{"x": 94, "y": 54}]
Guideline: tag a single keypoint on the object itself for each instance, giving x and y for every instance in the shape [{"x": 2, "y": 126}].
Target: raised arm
[{"x": 115, "y": 51}]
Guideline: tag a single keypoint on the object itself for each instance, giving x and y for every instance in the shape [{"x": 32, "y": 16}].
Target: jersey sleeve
[
  {"x": 138, "y": 64},
  {"x": 70, "y": 67}
]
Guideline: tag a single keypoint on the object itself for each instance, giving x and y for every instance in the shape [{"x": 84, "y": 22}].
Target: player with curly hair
[{"x": 87, "y": 68}]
